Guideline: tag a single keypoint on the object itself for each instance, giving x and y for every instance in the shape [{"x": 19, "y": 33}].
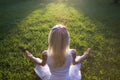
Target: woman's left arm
[{"x": 35, "y": 60}]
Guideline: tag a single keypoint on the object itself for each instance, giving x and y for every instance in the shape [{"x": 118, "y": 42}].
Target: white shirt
[{"x": 61, "y": 73}]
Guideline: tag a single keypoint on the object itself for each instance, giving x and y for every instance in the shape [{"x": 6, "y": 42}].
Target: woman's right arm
[{"x": 84, "y": 56}]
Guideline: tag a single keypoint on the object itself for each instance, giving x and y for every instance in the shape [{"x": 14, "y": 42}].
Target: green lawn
[{"x": 91, "y": 23}]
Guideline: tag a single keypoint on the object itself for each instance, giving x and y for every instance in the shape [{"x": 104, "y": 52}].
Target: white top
[
  {"x": 61, "y": 73},
  {"x": 67, "y": 72}
]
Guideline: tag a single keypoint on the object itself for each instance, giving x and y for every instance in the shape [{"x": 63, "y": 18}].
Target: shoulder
[
  {"x": 45, "y": 52},
  {"x": 73, "y": 51},
  {"x": 44, "y": 55}
]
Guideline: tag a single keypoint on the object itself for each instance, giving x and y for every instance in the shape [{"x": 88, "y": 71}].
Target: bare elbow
[
  {"x": 43, "y": 64},
  {"x": 76, "y": 62}
]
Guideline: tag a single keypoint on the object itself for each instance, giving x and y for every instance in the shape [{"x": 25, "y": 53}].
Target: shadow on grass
[
  {"x": 103, "y": 11},
  {"x": 13, "y": 12}
]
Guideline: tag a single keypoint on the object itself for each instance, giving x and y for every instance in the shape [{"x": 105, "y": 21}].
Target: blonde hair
[{"x": 58, "y": 47}]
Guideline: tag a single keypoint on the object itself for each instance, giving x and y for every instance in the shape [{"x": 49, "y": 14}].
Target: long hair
[{"x": 58, "y": 47}]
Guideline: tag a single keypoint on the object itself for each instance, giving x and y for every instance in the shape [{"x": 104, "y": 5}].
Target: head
[{"x": 58, "y": 41}]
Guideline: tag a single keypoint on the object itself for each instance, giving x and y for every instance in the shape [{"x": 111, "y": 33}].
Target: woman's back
[{"x": 60, "y": 73}]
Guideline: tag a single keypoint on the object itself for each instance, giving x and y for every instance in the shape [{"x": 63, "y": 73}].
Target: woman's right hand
[{"x": 87, "y": 52}]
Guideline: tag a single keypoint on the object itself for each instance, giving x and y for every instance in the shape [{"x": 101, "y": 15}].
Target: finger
[
  {"x": 27, "y": 53},
  {"x": 88, "y": 50}
]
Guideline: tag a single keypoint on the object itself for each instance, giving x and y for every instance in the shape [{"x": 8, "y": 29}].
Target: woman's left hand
[{"x": 28, "y": 54}]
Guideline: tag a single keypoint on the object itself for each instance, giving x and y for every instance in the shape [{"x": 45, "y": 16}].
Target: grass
[{"x": 92, "y": 24}]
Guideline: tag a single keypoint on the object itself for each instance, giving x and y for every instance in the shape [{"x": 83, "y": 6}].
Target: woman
[{"x": 59, "y": 62}]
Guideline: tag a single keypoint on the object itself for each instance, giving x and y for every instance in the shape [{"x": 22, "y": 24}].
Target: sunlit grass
[{"x": 31, "y": 32}]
